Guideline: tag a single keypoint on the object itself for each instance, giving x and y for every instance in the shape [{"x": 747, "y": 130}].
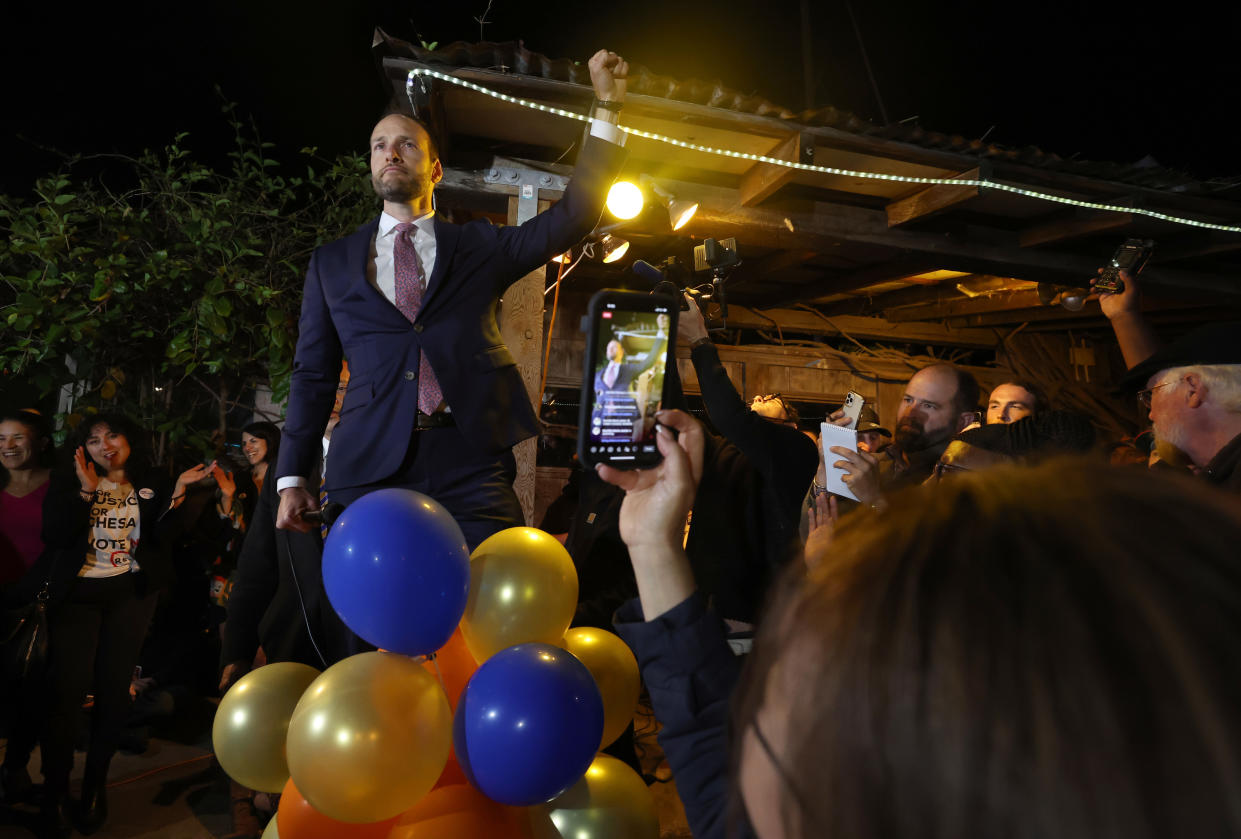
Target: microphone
[
  {"x": 328, "y": 515},
  {"x": 648, "y": 272}
]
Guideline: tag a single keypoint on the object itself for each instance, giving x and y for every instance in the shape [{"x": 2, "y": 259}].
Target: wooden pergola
[{"x": 845, "y": 280}]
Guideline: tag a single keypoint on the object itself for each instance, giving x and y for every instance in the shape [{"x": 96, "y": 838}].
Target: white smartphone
[{"x": 853, "y": 408}]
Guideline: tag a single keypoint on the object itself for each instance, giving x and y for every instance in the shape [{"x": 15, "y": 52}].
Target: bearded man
[
  {"x": 939, "y": 402},
  {"x": 435, "y": 402}
]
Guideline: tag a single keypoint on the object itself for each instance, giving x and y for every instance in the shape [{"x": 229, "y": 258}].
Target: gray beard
[{"x": 1172, "y": 433}]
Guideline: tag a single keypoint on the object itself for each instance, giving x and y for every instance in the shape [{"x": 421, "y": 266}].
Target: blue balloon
[
  {"x": 528, "y": 724},
  {"x": 397, "y": 570}
]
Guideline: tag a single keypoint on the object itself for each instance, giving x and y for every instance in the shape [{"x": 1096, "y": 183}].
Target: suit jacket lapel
[
  {"x": 446, "y": 236},
  {"x": 358, "y": 253}
]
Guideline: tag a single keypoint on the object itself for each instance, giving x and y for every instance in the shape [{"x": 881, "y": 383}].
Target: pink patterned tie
[{"x": 409, "y": 301}]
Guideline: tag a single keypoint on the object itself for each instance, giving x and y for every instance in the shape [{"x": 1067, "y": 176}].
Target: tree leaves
[{"x": 188, "y": 276}]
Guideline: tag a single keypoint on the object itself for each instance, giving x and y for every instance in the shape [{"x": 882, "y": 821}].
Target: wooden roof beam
[
  {"x": 1081, "y": 223},
  {"x": 932, "y": 200},
  {"x": 1196, "y": 243},
  {"x": 886, "y": 302},
  {"x": 779, "y": 261},
  {"x": 807, "y": 321},
  {"x": 762, "y": 180},
  {"x": 1037, "y": 314},
  {"x": 964, "y": 306},
  {"x": 825, "y": 225}
]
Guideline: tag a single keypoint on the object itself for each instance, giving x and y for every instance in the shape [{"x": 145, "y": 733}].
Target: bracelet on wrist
[{"x": 607, "y": 105}]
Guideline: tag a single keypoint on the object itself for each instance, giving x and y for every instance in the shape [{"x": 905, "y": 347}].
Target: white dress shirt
[{"x": 381, "y": 270}]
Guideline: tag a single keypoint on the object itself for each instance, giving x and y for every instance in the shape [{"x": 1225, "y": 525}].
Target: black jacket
[
  {"x": 278, "y": 573},
  {"x": 748, "y": 505}
]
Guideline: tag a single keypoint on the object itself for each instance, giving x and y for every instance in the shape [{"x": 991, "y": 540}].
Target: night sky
[{"x": 1098, "y": 80}]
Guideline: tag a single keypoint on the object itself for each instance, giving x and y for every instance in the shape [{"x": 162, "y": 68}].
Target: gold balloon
[
  {"x": 271, "y": 832},
  {"x": 251, "y": 722},
  {"x": 615, "y": 669},
  {"x": 523, "y": 587},
  {"x": 610, "y": 802},
  {"x": 369, "y": 738}
]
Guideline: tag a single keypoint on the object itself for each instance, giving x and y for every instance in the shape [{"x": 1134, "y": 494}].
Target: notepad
[{"x": 833, "y": 435}]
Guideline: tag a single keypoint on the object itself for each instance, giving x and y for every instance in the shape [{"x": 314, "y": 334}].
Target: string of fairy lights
[{"x": 982, "y": 183}]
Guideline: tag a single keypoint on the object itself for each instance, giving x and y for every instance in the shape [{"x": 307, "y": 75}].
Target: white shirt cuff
[
  {"x": 607, "y": 131},
  {"x": 290, "y": 481}
]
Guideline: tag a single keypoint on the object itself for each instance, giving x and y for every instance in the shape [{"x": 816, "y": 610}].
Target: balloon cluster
[{"x": 480, "y": 716}]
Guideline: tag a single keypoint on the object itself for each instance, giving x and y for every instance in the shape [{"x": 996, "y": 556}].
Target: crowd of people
[{"x": 1001, "y": 633}]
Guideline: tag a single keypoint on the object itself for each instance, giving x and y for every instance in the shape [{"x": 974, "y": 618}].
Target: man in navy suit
[{"x": 435, "y": 402}]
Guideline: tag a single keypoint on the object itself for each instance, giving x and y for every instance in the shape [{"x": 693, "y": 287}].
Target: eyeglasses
[
  {"x": 941, "y": 468},
  {"x": 1144, "y": 396}
]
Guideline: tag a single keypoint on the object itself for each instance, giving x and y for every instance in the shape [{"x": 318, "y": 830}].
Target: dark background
[{"x": 1102, "y": 81}]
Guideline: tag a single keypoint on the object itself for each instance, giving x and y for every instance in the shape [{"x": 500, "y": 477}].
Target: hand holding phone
[
  {"x": 853, "y": 408},
  {"x": 629, "y": 344},
  {"x": 1130, "y": 257}
]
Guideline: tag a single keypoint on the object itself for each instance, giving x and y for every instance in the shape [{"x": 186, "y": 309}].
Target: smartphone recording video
[{"x": 630, "y": 339}]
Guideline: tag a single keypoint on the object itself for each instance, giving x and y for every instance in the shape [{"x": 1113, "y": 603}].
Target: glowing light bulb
[{"x": 625, "y": 200}]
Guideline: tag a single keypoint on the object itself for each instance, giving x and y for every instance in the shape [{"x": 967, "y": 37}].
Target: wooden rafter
[
  {"x": 764, "y": 179},
  {"x": 932, "y": 200},
  {"x": 1083, "y": 223}
]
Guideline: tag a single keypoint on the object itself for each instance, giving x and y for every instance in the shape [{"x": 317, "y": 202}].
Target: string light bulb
[{"x": 981, "y": 183}]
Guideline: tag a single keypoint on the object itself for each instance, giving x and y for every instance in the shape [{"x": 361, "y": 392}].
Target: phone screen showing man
[{"x": 630, "y": 361}]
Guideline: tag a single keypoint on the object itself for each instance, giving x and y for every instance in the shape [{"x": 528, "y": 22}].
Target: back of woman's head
[
  {"x": 1046, "y": 652},
  {"x": 269, "y": 433},
  {"x": 139, "y": 445}
]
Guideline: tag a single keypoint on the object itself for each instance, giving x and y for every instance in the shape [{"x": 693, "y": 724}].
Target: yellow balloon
[
  {"x": 369, "y": 738},
  {"x": 270, "y": 832},
  {"x": 523, "y": 587},
  {"x": 615, "y": 669},
  {"x": 251, "y": 722},
  {"x": 610, "y": 802}
]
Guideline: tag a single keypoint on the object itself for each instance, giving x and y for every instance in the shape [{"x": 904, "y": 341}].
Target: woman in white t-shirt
[{"x": 111, "y": 525}]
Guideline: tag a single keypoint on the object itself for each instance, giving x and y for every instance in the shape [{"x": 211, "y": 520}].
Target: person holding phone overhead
[
  {"x": 110, "y": 524},
  {"x": 748, "y": 507},
  {"x": 435, "y": 402}
]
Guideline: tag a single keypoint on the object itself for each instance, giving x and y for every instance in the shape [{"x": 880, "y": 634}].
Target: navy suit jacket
[{"x": 344, "y": 315}]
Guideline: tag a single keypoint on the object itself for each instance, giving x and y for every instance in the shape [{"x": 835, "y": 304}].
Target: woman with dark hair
[
  {"x": 25, "y": 472},
  {"x": 260, "y": 442},
  {"x": 110, "y": 525},
  {"x": 1005, "y": 655}
]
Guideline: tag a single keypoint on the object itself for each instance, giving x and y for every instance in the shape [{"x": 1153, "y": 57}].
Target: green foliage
[{"x": 174, "y": 296}]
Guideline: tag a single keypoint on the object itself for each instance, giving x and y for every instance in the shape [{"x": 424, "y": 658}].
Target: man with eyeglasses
[{"x": 1190, "y": 388}]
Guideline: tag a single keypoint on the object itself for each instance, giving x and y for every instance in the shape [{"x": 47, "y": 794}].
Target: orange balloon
[
  {"x": 296, "y": 819},
  {"x": 461, "y": 812},
  {"x": 455, "y": 666},
  {"x": 453, "y": 775}
]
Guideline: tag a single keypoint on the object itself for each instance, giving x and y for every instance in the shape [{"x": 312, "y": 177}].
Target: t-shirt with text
[{"x": 114, "y": 531}]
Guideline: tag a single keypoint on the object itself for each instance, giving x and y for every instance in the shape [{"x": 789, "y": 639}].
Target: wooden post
[{"x": 521, "y": 325}]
